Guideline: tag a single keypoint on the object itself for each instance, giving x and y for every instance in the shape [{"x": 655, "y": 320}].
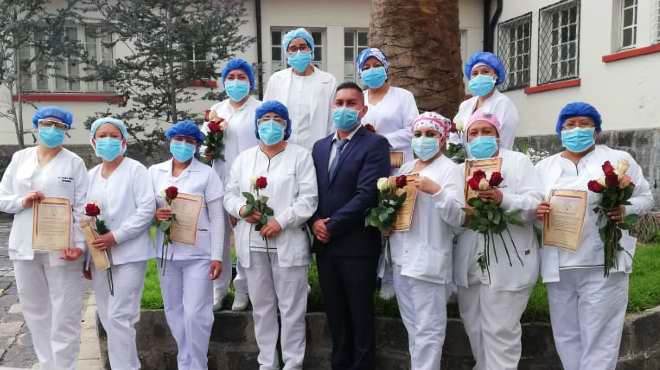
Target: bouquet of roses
[
  {"x": 616, "y": 188},
  {"x": 258, "y": 202},
  {"x": 213, "y": 141},
  {"x": 490, "y": 220},
  {"x": 94, "y": 211},
  {"x": 391, "y": 197},
  {"x": 165, "y": 226}
]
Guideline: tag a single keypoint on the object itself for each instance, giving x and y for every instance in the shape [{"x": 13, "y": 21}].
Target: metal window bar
[
  {"x": 559, "y": 42},
  {"x": 657, "y": 22},
  {"x": 628, "y": 22},
  {"x": 514, "y": 42}
]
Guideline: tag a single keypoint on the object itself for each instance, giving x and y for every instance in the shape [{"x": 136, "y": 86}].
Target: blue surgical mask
[
  {"x": 425, "y": 148},
  {"x": 182, "y": 151},
  {"x": 374, "y": 77},
  {"x": 108, "y": 148},
  {"x": 270, "y": 132},
  {"x": 481, "y": 85},
  {"x": 344, "y": 119},
  {"x": 483, "y": 147},
  {"x": 237, "y": 90},
  {"x": 51, "y": 137},
  {"x": 300, "y": 60},
  {"x": 578, "y": 140}
]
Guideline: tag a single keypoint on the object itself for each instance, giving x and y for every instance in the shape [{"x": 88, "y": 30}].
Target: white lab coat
[
  {"x": 491, "y": 307},
  {"x": 239, "y": 135},
  {"x": 276, "y": 280},
  {"x": 185, "y": 285},
  {"x": 393, "y": 118},
  {"x": 501, "y": 106},
  {"x": 127, "y": 204},
  {"x": 587, "y": 310},
  {"x": 49, "y": 288},
  {"x": 314, "y": 102},
  {"x": 422, "y": 259}
]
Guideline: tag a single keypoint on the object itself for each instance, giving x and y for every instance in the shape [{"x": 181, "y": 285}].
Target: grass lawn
[{"x": 644, "y": 289}]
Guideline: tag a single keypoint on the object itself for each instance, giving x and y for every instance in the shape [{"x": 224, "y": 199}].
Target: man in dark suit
[{"x": 348, "y": 165}]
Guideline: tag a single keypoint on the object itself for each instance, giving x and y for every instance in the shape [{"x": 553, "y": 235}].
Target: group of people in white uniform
[{"x": 274, "y": 139}]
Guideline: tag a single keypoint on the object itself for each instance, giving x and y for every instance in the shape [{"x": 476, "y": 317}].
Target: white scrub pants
[
  {"x": 492, "y": 321},
  {"x": 423, "y": 308},
  {"x": 272, "y": 287},
  {"x": 120, "y": 312},
  {"x": 587, "y": 313},
  {"x": 188, "y": 299},
  {"x": 221, "y": 284},
  {"x": 51, "y": 299}
]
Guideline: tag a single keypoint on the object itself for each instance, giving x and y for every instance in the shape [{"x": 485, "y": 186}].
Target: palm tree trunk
[{"x": 421, "y": 39}]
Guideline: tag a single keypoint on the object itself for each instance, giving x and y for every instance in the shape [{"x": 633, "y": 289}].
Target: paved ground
[{"x": 16, "y": 350}]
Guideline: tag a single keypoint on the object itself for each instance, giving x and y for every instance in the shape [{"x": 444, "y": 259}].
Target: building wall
[{"x": 625, "y": 92}]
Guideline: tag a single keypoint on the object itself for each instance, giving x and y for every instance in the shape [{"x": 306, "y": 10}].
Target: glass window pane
[
  {"x": 317, "y": 38},
  {"x": 60, "y": 81},
  {"x": 564, "y": 17},
  {"x": 555, "y": 20},
  {"x": 276, "y": 37},
  {"x": 363, "y": 39},
  {"x": 571, "y": 50},
  {"x": 349, "y": 38},
  {"x": 573, "y": 33},
  {"x": 628, "y": 17},
  {"x": 276, "y": 54},
  {"x": 318, "y": 54},
  {"x": 627, "y": 37},
  {"x": 627, "y": 3},
  {"x": 573, "y": 12},
  {"x": 348, "y": 54}
]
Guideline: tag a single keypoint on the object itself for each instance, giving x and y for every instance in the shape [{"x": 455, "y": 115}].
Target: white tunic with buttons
[
  {"x": 196, "y": 179},
  {"x": 425, "y": 251},
  {"x": 498, "y": 104},
  {"x": 561, "y": 173},
  {"x": 127, "y": 204}
]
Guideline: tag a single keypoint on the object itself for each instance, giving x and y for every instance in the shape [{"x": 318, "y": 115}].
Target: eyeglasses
[
  {"x": 292, "y": 49},
  {"x": 52, "y": 123}
]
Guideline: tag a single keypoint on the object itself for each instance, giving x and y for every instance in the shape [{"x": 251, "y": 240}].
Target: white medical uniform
[
  {"x": 276, "y": 271},
  {"x": 393, "y": 118},
  {"x": 308, "y": 99},
  {"x": 498, "y": 104},
  {"x": 587, "y": 310},
  {"x": 239, "y": 135},
  {"x": 127, "y": 204},
  {"x": 491, "y": 305},
  {"x": 49, "y": 288},
  {"x": 422, "y": 261},
  {"x": 186, "y": 287}
]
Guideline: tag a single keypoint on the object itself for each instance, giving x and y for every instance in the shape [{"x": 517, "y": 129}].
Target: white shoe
[
  {"x": 386, "y": 291},
  {"x": 241, "y": 302},
  {"x": 218, "y": 297}
]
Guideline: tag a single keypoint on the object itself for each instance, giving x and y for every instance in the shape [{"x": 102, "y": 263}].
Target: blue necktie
[{"x": 333, "y": 166}]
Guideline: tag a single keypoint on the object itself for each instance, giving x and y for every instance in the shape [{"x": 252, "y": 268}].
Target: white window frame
[
  {"x": 350, "y": 73},
  {"x": 622, "y": 8},
  {"x": 319, "y": 48},
  {"x": 517, "y": 51},
  {"x": 51, "y": 86},
  {"x": 656, "y": 18},
  {"x": 557, "y": 50}
]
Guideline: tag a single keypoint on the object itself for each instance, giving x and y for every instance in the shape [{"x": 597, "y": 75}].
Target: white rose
[
  {"x": 484, "y": 185},
  {"x": 459, "y": 125},
  {"x": 383, "y": 184},
  {"x": 622, "y": 167},
  {"x": 253, "y": 181}
]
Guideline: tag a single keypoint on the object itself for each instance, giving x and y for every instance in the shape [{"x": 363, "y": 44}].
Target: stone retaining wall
[{"x": 233, "y": 346}]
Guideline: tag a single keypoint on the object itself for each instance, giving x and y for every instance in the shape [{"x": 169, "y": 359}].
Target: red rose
[
  {"x": 401, "y": 181},
  {"x": 214, "y": 127},
  {"x": 595, "y": 186},
  {"x": 171, "y": 193},
  {"x": 495, "y": 179},
  {"x": 92, "y": 210},
  {"x": 608, "y": 168},
  {"x": 261, "y": 183},
  {"x": 473, "y": 183},
  {"x": 612, "y": 180},
  {"x": 479, "y": 174}
]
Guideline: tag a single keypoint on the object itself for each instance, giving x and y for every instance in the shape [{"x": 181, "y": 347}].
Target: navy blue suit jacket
[{"x": 351, "y": 193}]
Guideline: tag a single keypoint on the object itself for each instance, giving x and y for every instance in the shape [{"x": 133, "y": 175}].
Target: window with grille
[
  {"x": 278, "y": 56},
  {"x": 626, "y": 24},
  {"x": 354, "y": 42},
  {"x": 514, "y": 41},
  {"x": 559, "y": 41}
]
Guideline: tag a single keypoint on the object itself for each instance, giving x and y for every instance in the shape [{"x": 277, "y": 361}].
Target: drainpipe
[
  {"x": 490, "y": 23},
  {"x": 260, "y": 62}
]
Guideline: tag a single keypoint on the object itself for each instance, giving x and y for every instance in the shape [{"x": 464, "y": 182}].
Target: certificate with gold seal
[
  {"x": 51, "y": 224},
  {"x": 562, "y": 227},
  {"x": 186, "y": 209},
  {"x": 404, "y": 216},
  {"x": 489, "y": 166}
]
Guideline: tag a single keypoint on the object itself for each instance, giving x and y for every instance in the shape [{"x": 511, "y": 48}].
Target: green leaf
[
  {"x": 164, "y": 225},
  {"x": 153, "y": 232},
  {"x": 248, "y": 208},
  {"x": 249, "y": 197},
  {"x": 268, "y": 211}
]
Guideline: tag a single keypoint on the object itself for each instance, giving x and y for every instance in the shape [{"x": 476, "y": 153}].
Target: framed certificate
[
  {"x": 396, "y": 159},
  {"x": 51, "y": 224},
  {"x": 100, "y": 258},
  {"x": 562, "y": 227},
  {"x": 489, "y": 166},
  {"x": 404, "y": 216},
  {"x": 186, "y": 209}
]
